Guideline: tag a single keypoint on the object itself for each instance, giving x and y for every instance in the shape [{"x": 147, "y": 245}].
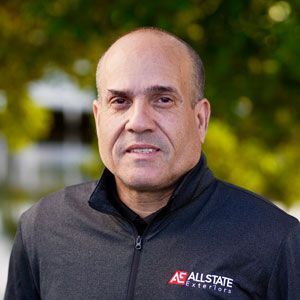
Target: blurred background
[{"x": 48, "y": 56}]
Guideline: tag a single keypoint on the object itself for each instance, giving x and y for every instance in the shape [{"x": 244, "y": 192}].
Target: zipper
[
  {"x": 135, "y": 263},
  {"x": 138, "y": 243}
]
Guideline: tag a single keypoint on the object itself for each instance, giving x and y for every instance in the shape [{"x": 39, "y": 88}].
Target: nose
[{"x": 140, "y": 117}]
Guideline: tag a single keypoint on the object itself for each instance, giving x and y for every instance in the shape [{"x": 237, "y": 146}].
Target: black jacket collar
[{"x": 190, "y": 186}]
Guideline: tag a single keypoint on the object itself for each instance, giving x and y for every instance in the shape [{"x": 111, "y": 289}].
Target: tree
[{"x": 250, "y": 50}]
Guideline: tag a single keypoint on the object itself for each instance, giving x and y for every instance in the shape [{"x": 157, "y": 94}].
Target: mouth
[{"x": 142, "y": 149}]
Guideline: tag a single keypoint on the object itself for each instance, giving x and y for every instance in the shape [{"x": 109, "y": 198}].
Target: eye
[
  {"x": 164, "y": 101},
  {"x": 119, "y": 102}
]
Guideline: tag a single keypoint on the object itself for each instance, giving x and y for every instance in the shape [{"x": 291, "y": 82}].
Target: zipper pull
[{"x": 138, "y": 243}]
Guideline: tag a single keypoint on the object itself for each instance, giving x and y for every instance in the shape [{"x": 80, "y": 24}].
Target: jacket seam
[
  {"x": 28, "y": 261},
  {"x": 283, "y": 241}
]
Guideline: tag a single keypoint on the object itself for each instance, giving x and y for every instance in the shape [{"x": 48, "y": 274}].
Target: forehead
[{"x": 143, "y": 60}]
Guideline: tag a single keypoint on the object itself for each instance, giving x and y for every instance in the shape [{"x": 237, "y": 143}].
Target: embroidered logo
[
  {"x": 213, "y": 282},
  {"x": 179, "y": 277}
]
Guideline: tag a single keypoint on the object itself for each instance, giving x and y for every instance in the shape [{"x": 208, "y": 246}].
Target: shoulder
[
  {"x": 55, "y": 201},
  {"x": 57, "y": 206},
  {"x": 254, "y": 211},
  {"x": 258, "y": 228}
]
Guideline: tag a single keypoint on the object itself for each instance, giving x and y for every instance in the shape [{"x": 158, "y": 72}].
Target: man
[{"x": 158, "y": 224}]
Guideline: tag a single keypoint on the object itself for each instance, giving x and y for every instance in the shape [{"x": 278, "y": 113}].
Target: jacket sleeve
[
  {"x": 20, "y": 283},
  {"x": 284, "y": 282}
]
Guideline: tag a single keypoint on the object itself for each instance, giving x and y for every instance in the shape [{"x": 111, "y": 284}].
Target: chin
[{"x": 143, "y": 183}]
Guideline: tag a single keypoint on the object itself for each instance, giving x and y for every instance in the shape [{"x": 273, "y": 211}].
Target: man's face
[{"x": 148, "y": 132}]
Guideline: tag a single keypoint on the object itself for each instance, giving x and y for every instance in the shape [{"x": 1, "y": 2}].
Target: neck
[{"x": 143, "y": 203}]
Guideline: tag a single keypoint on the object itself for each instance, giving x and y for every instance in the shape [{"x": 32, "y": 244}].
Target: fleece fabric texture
[{"x": 215, "y": 241}]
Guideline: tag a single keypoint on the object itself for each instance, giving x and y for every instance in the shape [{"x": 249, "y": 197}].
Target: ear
[
  {"x": 96, "y": 110},
  {"x": 202, "y": 114}
]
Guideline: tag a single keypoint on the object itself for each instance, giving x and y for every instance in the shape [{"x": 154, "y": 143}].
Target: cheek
[
  {"x": 109, "y": 131},
  {"x": 187, "y": 136}
]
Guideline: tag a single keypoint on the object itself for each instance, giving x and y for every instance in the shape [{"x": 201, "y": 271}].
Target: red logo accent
[{"x": 179, "y": 277}]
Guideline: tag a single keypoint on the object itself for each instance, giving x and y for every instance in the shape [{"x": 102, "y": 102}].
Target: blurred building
[{"x": 55, "y": 161}]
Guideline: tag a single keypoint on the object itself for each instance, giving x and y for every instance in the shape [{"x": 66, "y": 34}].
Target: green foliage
[
  {"x": 22, "y": 121},
  {"x": 250, "y": 164},
  {"x": 250, "y": 50}
]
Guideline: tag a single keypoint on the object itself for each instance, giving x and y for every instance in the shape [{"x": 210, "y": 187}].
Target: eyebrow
[
  {"x": 122, "y": 94},
  {"x": 155, "y": 89},
  {"x": 160, "y": 89}
]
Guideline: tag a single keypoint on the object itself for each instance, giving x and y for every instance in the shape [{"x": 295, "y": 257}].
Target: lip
[{"x": 142, "y": 146}]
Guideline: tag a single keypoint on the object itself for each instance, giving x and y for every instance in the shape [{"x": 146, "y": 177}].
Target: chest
[{"x": 187, "y": 262}]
